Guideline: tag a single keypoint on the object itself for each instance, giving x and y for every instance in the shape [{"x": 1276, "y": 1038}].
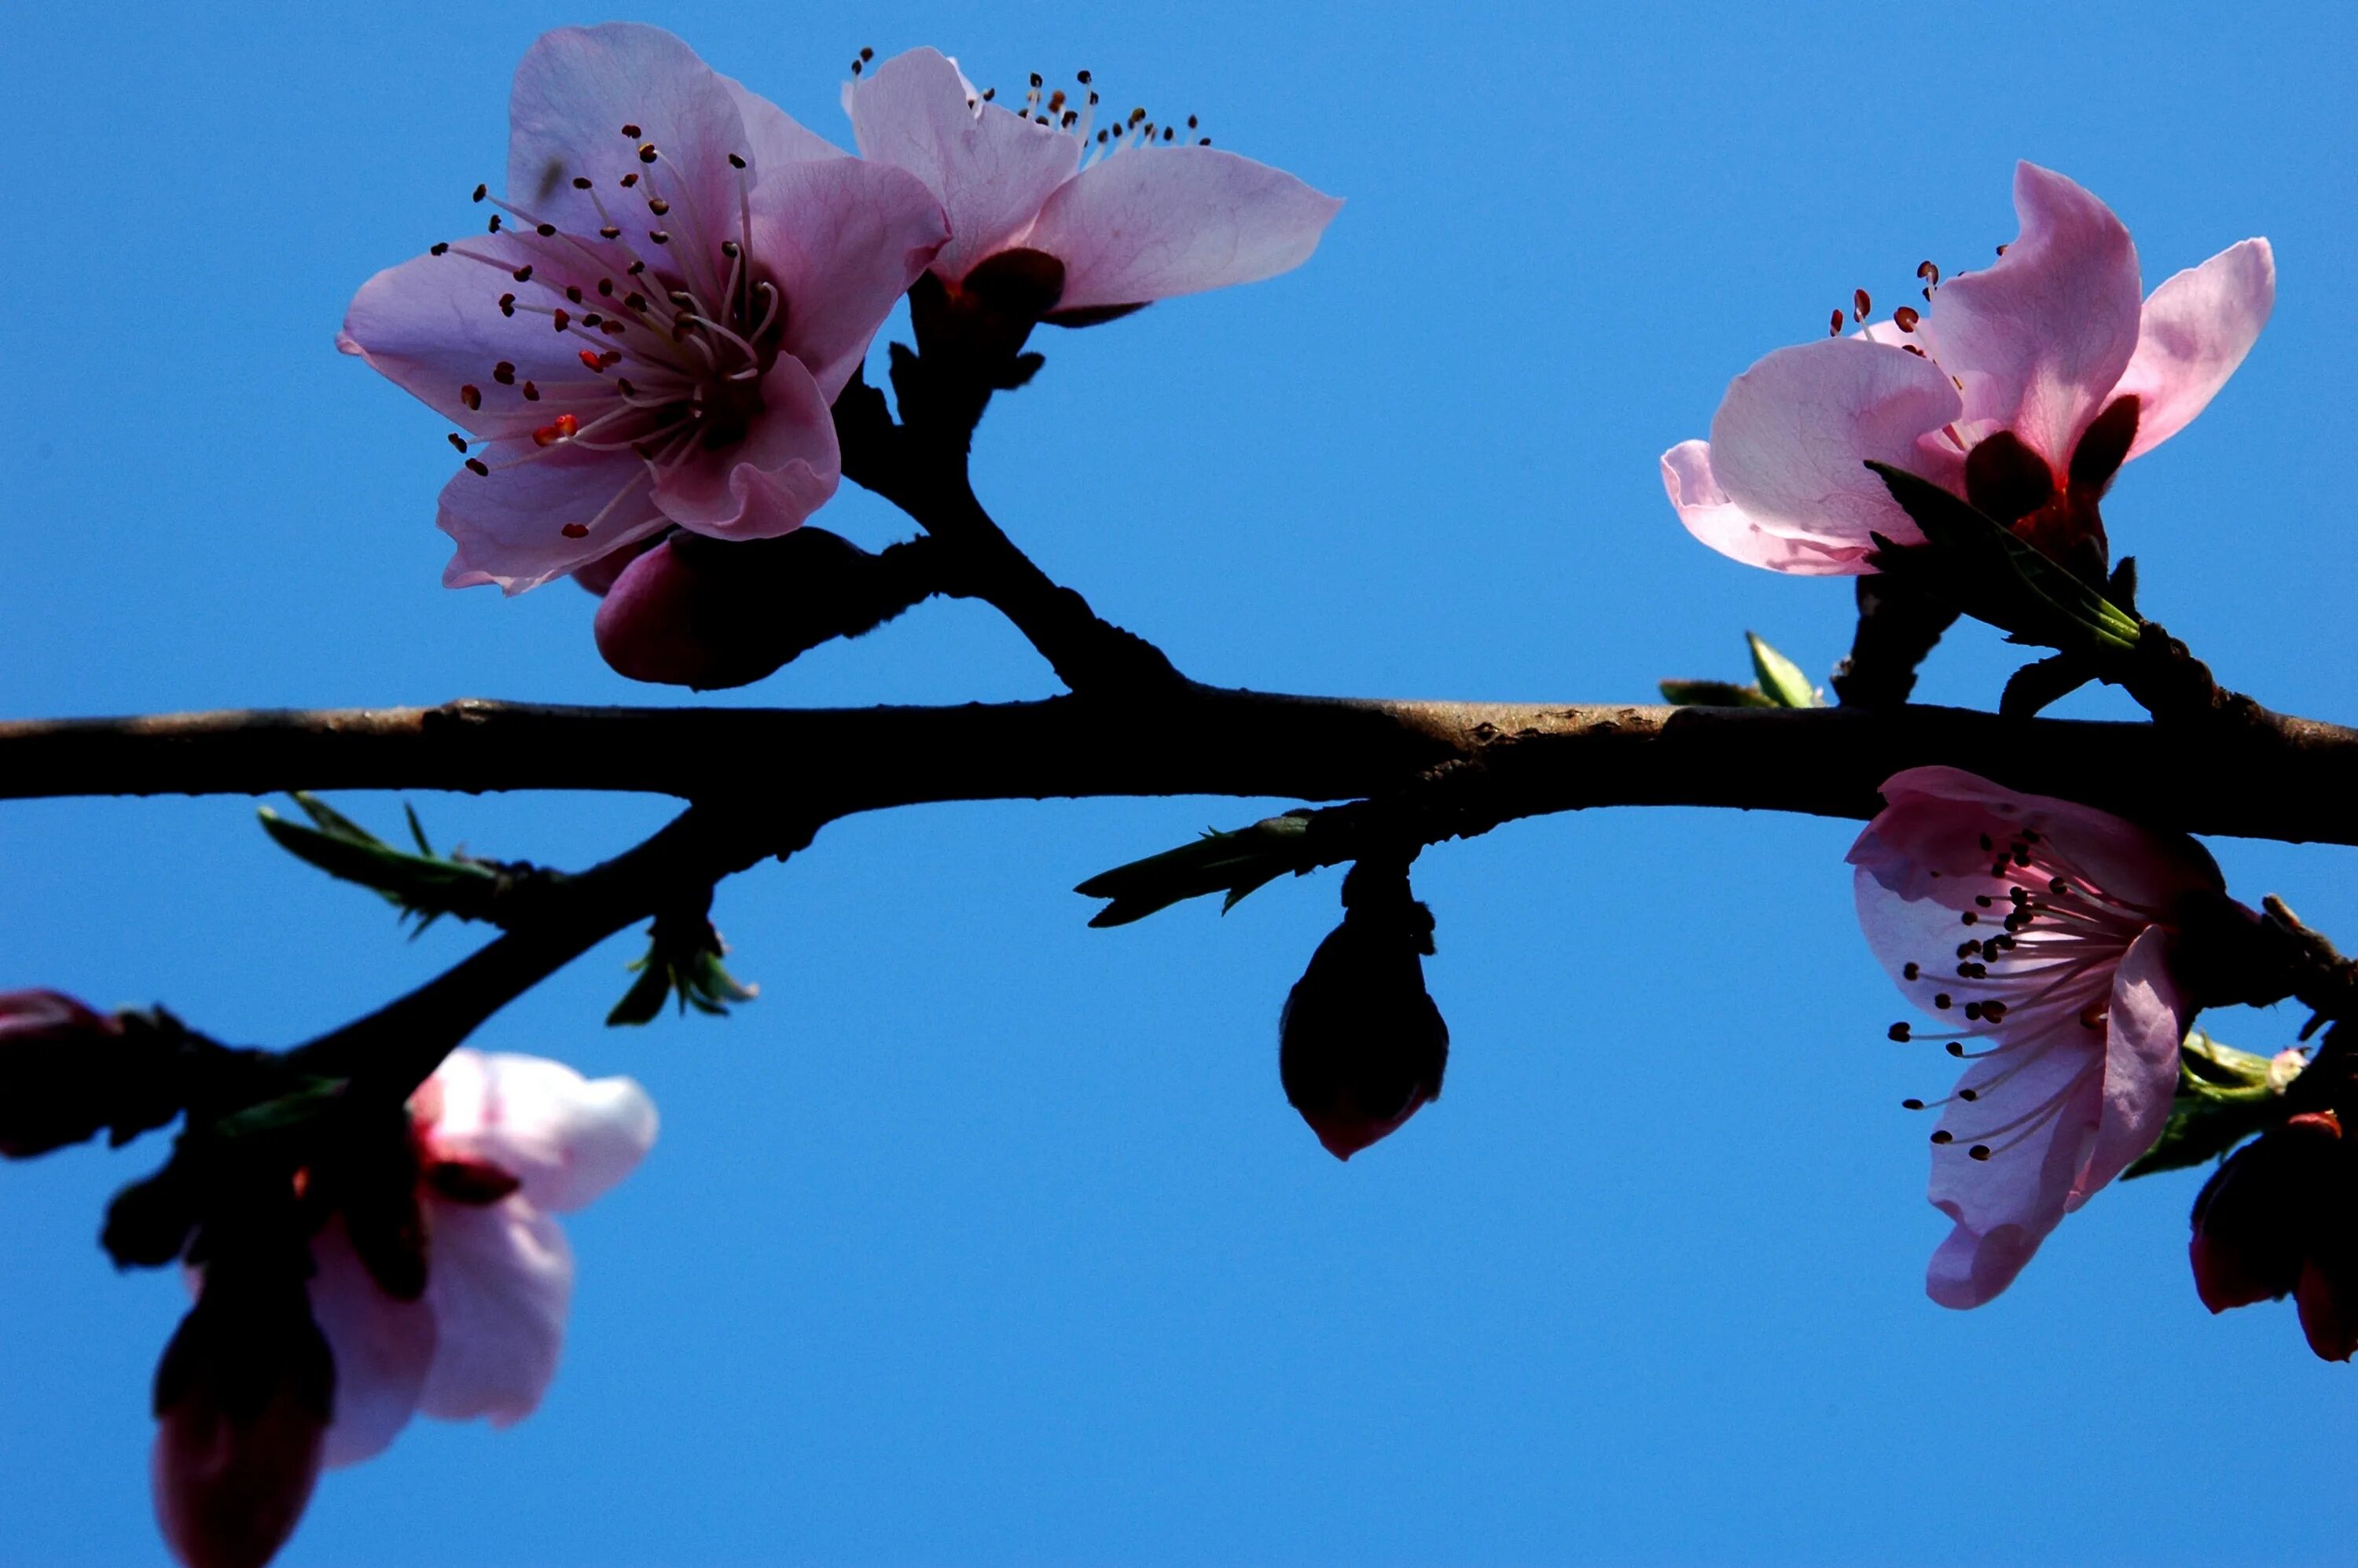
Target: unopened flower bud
[
  {"x": 704, "y": 613},
  {"x": 66, "y": 1075},
  {"x": 1360, "y": 1044},
  {"x": 244, "y": 1396},
  {"x": 2251, "y": 1217}
]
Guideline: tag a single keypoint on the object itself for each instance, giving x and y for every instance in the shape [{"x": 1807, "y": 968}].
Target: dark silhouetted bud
[
  {"x": 706, "y": 614},
  {"x": 59, "y": 1072},
  {"x": 244, "y": 1396},
  {"x": 1360, "y": 1046}
]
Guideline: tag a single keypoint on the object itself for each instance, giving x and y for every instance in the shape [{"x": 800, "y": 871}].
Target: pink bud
[{"x": 244, "y": 1396}]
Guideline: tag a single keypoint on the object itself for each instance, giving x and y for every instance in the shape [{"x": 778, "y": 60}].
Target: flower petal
[
  {"x": 2041, "y": 339},
  {"x": 1727, "y": 527},
  {"x": 567, "y": 1139},
  {"x": 510, "y": 523},
  {"x": 1936, "y": 817},
  {"x": 2195, "y": 331},
  {"x": 382, "y": 1348},
  {"x": 2142, "y": 1034},
  {"x": 1147, "y": 225},
  {"x": 501, "y": 1281},
  {"x": 434, "y": 325},
  {"x": 773, "y": 138},
  {"x": 843, "y": 238},
  {"x": 989, "y": 168},
  {"x": 786, "y": 467},
  {"x": 1791, "y": 440},
  {"x": 578, "y": 87},
  {"x": 2036, "y": 1110}
]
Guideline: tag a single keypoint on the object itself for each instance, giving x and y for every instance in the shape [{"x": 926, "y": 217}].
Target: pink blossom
[
  {"x": 678, "y": 283},
  {"x": 1992, "y": 393},
  {"x": 2046, "y": 934},
  {"x": 1128, "y": 224},
  {"x": 505, "y": 1142}
]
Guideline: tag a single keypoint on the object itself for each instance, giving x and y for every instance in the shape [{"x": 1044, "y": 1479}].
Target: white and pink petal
[
  {"x": 843, "y": 238},
  {"x": 500, "y": 1286},
  {"x": 1152, "y": 223},
  {"x": 567, "y": 1139},
  {"x": 541, "y": 512},
  {"x": 2194, "y": 331},
  {"x": 383, "y": 1350}
]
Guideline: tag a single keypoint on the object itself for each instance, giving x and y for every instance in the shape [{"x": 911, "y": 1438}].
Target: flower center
[{"x": 671, "y": 317}]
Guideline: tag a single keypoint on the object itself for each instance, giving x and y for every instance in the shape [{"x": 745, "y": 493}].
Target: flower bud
[
  {"x": 2251, "y": 1219},
  {"x": 244, "y": 1396},
  {"x": 1360, "y": 1044},
  {"x": 62, "y": 1076},
  {"x": 705, "y": 613}
]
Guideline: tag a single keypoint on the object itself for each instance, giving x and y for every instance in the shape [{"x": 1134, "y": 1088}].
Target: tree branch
[{"x": 2271, "y": 776}]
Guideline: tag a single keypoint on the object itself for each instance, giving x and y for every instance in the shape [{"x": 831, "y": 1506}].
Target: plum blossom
[
  {"x": 2047, "y": 932},
  {"x": 504, "y": 1142},
  {"x": 1133, "y": 212},
  {"x": 677, "y": 285},
  {"x": 2022, "y": 388}
]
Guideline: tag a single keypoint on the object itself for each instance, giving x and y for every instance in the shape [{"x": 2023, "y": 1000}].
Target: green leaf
[
  {"x": 1713, "y": 694},
  {"x": 1782, "y": 680},
  {"x": 1978, "y": 564},
  {"x": 644, "y": 1001},
  {"x": 312, "y": 1097},
  {"x": 424, "y": 885},
  {"x": 1236, "y": 863},
  {"x": 2224, "y": 1095},
  {"x": 682, "y": 961}
]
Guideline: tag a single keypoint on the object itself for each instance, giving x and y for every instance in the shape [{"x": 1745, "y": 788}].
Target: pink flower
[
  {"x": 2045, "y": 932},
  {"x": 1994, "y": 392},
  {"x": 1129, "y": 225},
  {"x": 503, "y": 1141},
  {"x": 679, "y": 282}
]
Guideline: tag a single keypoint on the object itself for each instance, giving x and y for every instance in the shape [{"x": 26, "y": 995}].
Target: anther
[
  {"x": 562, "y": 317},
  {"x": 546, "y": 231},
  {"x": 580, "y": 182},
  {"x": 736, "y": 160},
  {"x": 1979, "y": 1151},
  {"x": 441, "y": 249},
  {"x": 1905, "y": 317},
  {"x": 1944, "y": 1136},
  {"x": 1035, "y": 79},
  {"x": 1897, "y": 1033},
  {"x": 505, "y": 374},
  {"x": 522, "y": 273},
  {"x": 1928, "y": 273},
  {"x": 561, "y": 429},
  {"x": 632, "y": 132},
  {"x": 1912, "y": 1105},
  {"x": 573, "y": 293},
  {"x": 629, "y": 180},
  {"x": 471, "y": 396},
  {"x": 1969, "y": 1096},
  {"x": 478, "y": 467},
  {"x": 574, "y": 530},
  {"x": 659, "y": 237},
  {"x": 481, "y": 191},
  {"x": 507, "y": 304},
  {"x": 1942, "y": 1001},
  {"x": 1834, "y": 330},
  {"x": 494, "y": 227},
  {"x": 646, "y": 152},
  {"x": 658, "y": 206},
  {"x": 606, "y": 287},
  {"x": 1955, "y": 1049},
  {"x": 729, "y": 248},
  {"x": 531, "y": 392},
  {"x": 457, "y": 440},
  {"x": 1909, "y": 970},
  {"x": 1968, "y": 918},
  {"x": 1860, "y": 304},
  {"x": 609, "y": 232}
]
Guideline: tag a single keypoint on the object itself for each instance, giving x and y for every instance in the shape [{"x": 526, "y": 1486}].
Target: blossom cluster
[{"x": 646, "y": 354}]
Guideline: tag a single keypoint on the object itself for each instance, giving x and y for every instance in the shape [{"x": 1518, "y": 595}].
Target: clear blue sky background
[{"x": 983, "y": 1236}]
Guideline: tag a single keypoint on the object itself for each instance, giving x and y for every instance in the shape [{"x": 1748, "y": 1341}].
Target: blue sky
[{"x": 985, "y": 1238}]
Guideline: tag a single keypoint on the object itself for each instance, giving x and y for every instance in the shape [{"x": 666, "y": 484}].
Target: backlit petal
[{"x": 2195, "y": 331}]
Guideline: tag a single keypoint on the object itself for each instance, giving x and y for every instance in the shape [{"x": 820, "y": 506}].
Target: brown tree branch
[{"x": 2269, "y": 776}]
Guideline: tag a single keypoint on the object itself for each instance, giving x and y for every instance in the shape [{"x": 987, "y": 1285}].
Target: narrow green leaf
[
  {"x": 1713, "y": 694},
  {"x": 1782, "y": 680}
]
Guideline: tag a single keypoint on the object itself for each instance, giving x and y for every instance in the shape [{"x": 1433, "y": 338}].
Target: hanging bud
[
  {"x": 2249, "y": 1220},
  {"x": 244, "y": 1396},
  {"x": 68, "y": 1073},
  {"x": 705, "y": 613},
  {"x": 1360, "y": 1046}
]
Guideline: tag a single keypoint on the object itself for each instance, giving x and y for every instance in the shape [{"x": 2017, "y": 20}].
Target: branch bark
[{"x": 2271, "y": 776}]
